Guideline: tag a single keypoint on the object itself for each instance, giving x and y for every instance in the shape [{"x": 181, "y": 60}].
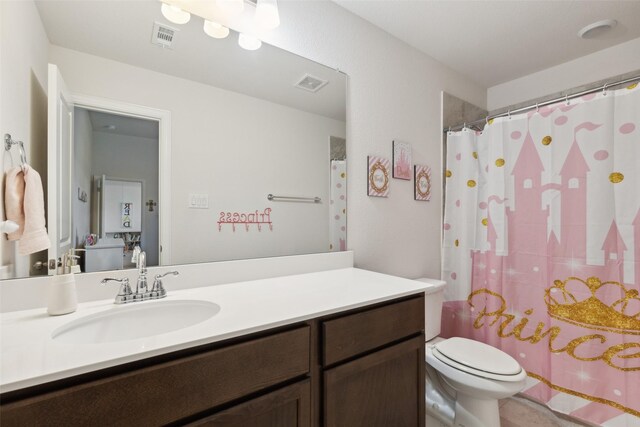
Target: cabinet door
[
  {"x": 383, "y": 389},
  {"x": 287, "y": 407}
]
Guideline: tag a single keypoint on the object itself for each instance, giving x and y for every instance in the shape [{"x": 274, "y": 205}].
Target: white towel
[
  {"x": 24, "y": 204},
  {"x": 14, "y": 200},
  {"x": 35, "y": 237}
]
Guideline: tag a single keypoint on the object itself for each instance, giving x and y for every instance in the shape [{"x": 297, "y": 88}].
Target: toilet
[{"x": 465, "y": 378}]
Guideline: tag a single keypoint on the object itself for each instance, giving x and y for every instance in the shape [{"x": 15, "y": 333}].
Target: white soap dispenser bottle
[{"x": 62, "y": 291}]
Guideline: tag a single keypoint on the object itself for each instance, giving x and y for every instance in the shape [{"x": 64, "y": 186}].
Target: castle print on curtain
[{"x": 542, "y": 250}]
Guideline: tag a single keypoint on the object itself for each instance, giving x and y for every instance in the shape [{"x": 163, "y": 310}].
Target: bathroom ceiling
[{"x": 492, "y": 42}]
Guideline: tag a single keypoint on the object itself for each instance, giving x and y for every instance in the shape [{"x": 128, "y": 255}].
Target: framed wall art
[
  {"x": 377, "y": 176},
  {"x": 422, "y": 183},
  {"x": 401, "y": 160}
]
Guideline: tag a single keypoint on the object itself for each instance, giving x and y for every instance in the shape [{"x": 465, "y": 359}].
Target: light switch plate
[{"x": 198, "y": 201}]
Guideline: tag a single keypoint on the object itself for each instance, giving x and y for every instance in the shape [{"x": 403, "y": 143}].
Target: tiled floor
[{"x": 519, "y": 412}]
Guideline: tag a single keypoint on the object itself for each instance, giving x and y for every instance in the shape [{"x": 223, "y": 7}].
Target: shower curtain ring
[
  {"x": 509, "y": 114},
  {"x": 449, "y": 128},
  {"x": 537, "y": 108},
  {"x": 486, "y": 119},
  {"x": 566, "y": 99},
  {"x": 604, "y": 89}
]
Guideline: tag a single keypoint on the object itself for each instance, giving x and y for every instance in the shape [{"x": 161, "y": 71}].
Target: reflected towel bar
[{"x": 272, "y": 198}]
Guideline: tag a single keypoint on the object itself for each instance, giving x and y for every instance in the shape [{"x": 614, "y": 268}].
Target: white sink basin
[{"x": 137, "y": 320}]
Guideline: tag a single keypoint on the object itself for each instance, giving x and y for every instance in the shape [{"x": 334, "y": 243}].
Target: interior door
[{"x": 59, "y": 155}]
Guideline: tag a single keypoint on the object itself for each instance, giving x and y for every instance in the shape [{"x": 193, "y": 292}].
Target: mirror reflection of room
[
  {"x": 116, "y": 177},
  {"x": 231, "y": 126}
]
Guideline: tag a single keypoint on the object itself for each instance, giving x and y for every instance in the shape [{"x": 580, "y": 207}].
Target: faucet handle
[
  {"x": 125, "y": 288},
  {"x": 157, "y": 284}
]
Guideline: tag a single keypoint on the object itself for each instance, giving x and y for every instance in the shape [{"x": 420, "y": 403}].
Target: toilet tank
[{"x": 433, "y": 300}]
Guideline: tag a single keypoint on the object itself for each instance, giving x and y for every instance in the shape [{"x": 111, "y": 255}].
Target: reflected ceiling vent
[
  {"x": 311, "y": 83},
  {"x": 163, "y": 35}
]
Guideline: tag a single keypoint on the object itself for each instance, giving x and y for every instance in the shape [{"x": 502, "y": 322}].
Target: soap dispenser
[{"x": 62, "y": 291}]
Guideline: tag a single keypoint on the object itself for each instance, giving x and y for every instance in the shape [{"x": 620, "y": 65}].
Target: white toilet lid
[{"x": 477, "y": 356}]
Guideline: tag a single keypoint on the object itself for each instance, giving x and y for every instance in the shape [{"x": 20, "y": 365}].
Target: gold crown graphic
[{"x": 592, "y": 313}]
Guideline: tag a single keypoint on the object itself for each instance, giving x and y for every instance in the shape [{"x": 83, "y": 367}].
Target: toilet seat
[{"x": 478, "y": 359}]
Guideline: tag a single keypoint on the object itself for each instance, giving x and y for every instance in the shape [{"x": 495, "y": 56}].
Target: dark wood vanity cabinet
[
  {"x": 363, "y": 367},
  {"x": 374, "y": 367}
]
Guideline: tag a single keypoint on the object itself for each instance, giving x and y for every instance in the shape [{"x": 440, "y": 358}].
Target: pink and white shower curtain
[
  {"x": 338, "y": 206},
  {"x": 542, "y": 250}
]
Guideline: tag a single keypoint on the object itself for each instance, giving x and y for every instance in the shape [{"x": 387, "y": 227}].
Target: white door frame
[{"x": 163, "y": 117}]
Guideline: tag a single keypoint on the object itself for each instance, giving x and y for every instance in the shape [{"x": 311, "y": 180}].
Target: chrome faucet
[
  {"x": 142, "y": 293},
  {"x": 124, "y": 294},
  {"x": 141, "y": 285},
  {"x": 158, "y": 290}
]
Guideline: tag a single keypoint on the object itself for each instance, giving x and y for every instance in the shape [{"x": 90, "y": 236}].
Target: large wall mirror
[{"x": 176, "y": 149}]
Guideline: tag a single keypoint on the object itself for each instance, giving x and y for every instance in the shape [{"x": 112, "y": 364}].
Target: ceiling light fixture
[
  {"x": 267, "y": 15},
  {"x": 249, "y": 42},
  {"x": 251, "y": 22},
  {"x": 175, "y": 14},
  {"x": 596, "y": 29},
  {"x": 215, "y": 30}
]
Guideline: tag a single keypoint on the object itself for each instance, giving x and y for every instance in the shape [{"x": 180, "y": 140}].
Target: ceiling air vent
[
  {"x": 311, "y": 83},
  {"x": 162, "y": 35}
]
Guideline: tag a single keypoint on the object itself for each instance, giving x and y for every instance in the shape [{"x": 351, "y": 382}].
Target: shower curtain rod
[{"x": 542, "y": 104}]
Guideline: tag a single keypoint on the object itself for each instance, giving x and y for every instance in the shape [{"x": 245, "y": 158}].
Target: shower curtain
[
  {"x": 541, "y": 250},
  {"x": 338, "y": 206}
]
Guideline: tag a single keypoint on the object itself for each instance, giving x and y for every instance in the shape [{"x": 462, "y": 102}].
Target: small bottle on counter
[{"x": 63, "y": 298}]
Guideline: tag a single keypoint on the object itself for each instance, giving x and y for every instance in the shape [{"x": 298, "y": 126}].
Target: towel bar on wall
[{"x": 273, "y": 198}]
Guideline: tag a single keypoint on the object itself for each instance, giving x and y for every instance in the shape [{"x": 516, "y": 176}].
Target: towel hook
[{"x": 8, "y": 142}]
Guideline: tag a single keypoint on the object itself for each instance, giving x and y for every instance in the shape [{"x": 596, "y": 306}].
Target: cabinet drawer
[
  {"x": 169, "y": 391},
  {"x": 287, "y": 407},
  {"x": 358, "y": 333}
]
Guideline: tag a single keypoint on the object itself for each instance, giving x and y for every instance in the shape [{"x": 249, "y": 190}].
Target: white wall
[
  {"x": 23, "y": 102},
  {"x": 394, "y": 93},
  {"x": 616, "y": 60},
  {"x": 82, "y": 142},
  {"x": 135, "y": 158},
  {"x": 216, "y": 151}
]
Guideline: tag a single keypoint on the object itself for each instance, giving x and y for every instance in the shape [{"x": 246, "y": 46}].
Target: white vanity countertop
[{"x": 29, "y": 355}]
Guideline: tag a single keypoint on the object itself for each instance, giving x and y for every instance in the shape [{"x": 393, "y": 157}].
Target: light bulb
[
  {"x": 231, "y": 7},
  {"x": 215, "y": 30},
  {"x": 249, "y": 42},
  {"x": 175, "y": 14},
  {"x": 267, "y": 15}
]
